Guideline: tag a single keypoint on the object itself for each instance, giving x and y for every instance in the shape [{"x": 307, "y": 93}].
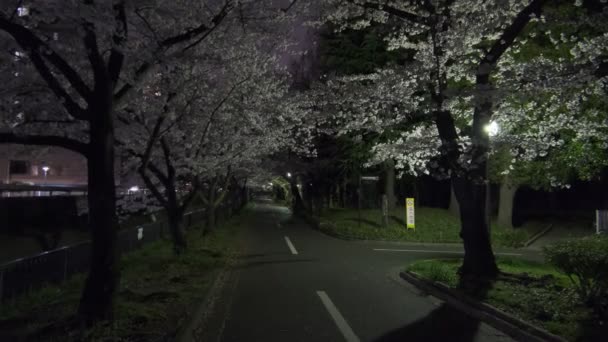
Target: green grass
[
  {"x": 156, "y": 292},
  {"x": 534, "y": 292},
  {"x": 432, "y": 226}
]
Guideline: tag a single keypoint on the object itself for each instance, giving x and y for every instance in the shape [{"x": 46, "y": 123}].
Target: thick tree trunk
[
  {"x": 505, "y": 204},
  {"x": 176, "y": 227},
  {"x": 389, "y": 184},
  {"x": 478, "y": 257},
  {"x": 97, "y": 299},
  {"x": 454, "y": 208},
  {"x": 175, "y": 216}
]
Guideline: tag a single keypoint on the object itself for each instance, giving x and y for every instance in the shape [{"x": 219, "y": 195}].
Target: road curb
[
  {"x": 510, "y": 325},
  {"x": 538, "y": 235},
  {"x": 188, "y": 332}
]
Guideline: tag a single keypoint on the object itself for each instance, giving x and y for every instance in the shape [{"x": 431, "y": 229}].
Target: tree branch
[
  {"x": 214, "y": 112},
  {"x": 168, "y": 43},
  {"x": 405, "y": 15},
  {"x": 509, "y": 35},
  {"x": 150, "y": 185},
  {"x": 29, "y": 41},
  {"x": 117, "y": 57}
]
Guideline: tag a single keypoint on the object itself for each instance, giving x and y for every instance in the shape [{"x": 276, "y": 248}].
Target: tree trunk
[
  {"x": 454, "y": 209},
  {"x": 505, "y": 203},
  {"x": 298, "y": 203},
  {"x": 211, "y": 219},
  {"x": 478, "y": 257},
  {"x": 175, "y": 216},
  {"x": 211, "y": 208},
  {"x": 343, "y": 193},
  {"x": 176, "y": 227},
  {"x": 97, "y": 300},
  {"x": 389, "y": 185}
]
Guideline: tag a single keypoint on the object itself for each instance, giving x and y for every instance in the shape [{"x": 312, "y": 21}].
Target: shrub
[
  {"x": 441, "y": 273},
  {"x": 585, "y": 262},
  {"x": 510, "y": 237}
]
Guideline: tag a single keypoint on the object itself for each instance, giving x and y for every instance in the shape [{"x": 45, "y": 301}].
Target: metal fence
[{"x": 22, "y": 275}]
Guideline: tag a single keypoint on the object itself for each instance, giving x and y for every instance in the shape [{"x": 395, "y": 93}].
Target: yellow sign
[{"x": 409, "y": 213}]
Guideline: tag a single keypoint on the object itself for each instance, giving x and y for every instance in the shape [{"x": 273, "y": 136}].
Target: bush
[
  {"x": 441, "y": 273},
  {"x": 585, "y": 262}
]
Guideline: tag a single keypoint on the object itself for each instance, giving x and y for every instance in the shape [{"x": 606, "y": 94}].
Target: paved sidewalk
[{"x": 561, "y": 232}]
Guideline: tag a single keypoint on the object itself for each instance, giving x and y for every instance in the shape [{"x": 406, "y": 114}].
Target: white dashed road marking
[
  {"x": 343, "y": 326},
  {"x": 290, "y": 245}
]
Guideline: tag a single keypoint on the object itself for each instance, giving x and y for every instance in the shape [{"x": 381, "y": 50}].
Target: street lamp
[
  {"x": 45, "y": 169},
  {"x": 288, "y": 174},
  {"x": 492, "y": 130}
]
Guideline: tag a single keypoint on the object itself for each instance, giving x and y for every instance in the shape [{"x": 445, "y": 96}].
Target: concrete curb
[
  {"x": 188, "y": 332},
  {"x": 538, "y": 235},
  {"x": 510, "y": 325}
]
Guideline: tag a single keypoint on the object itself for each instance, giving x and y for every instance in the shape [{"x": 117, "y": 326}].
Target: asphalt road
[{"x": 293, "y": 283}]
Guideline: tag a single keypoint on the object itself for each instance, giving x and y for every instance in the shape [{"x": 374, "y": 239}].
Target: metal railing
[{"x": 25, "y": 274}]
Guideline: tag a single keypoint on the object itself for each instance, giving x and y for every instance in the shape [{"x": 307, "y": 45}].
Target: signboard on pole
[{"x": 409, "y": 213}]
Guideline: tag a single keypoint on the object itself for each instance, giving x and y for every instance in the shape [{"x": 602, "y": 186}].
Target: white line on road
[
  {"x": 430, "y": 251},
  {"x": 343, "y": 326},
  {"x": 290, "y": 245}
]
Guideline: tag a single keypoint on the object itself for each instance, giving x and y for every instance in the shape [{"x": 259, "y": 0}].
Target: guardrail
[{"x": 25, "y": 274}]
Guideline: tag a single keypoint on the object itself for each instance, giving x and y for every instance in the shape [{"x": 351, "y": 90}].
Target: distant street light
[
  {"x": 45, "y": 169},
  {"x": 133, "y": 189},
  {"x": 288, "y": 174}
]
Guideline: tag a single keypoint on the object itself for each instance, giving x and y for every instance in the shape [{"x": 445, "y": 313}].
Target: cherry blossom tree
[
  {"x": 457, "y": 48},
  {"x": 69, "y": 67},
  {"x": 200, "y": 129}
]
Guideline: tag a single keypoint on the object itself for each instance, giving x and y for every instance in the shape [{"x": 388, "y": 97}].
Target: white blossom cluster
[{"x": 543, "y": 101}]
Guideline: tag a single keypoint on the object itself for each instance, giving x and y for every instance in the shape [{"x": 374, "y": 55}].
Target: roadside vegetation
[
  {"x": 157, "y": 292},
  {"x": 432, "y": 226},
  {"x": 568, "y": 296}
]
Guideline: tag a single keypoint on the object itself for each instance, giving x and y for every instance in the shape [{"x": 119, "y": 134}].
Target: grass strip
[
  {"x": 432, "y": 226},
  {"x": 533, "y": 292},
  {"x": 156, "y": 293}
]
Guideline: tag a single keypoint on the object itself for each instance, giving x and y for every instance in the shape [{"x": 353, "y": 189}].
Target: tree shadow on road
[
  {"x": 271, "y": 262},
  {"x": 445, "y": 323},
  {"x": 442, "y": 324}
]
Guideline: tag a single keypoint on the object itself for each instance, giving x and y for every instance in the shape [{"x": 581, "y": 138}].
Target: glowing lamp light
[
  {"x": 45, "y": 169},
  {"x": 492, "y": 128},
  {"x": 134, "y": 189},
  {"x": 288, "y": 174}
]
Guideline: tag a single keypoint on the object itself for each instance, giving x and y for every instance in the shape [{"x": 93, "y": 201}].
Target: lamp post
[
  {"x": 45, "y": 169},
  {"x": 492, "y": 130}
]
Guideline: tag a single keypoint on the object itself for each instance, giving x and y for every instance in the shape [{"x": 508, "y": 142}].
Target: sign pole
[{"x": 409, "y": 214}]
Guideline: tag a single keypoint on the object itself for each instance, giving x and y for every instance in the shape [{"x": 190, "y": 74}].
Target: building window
[{"x": 19, "y": 167}]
